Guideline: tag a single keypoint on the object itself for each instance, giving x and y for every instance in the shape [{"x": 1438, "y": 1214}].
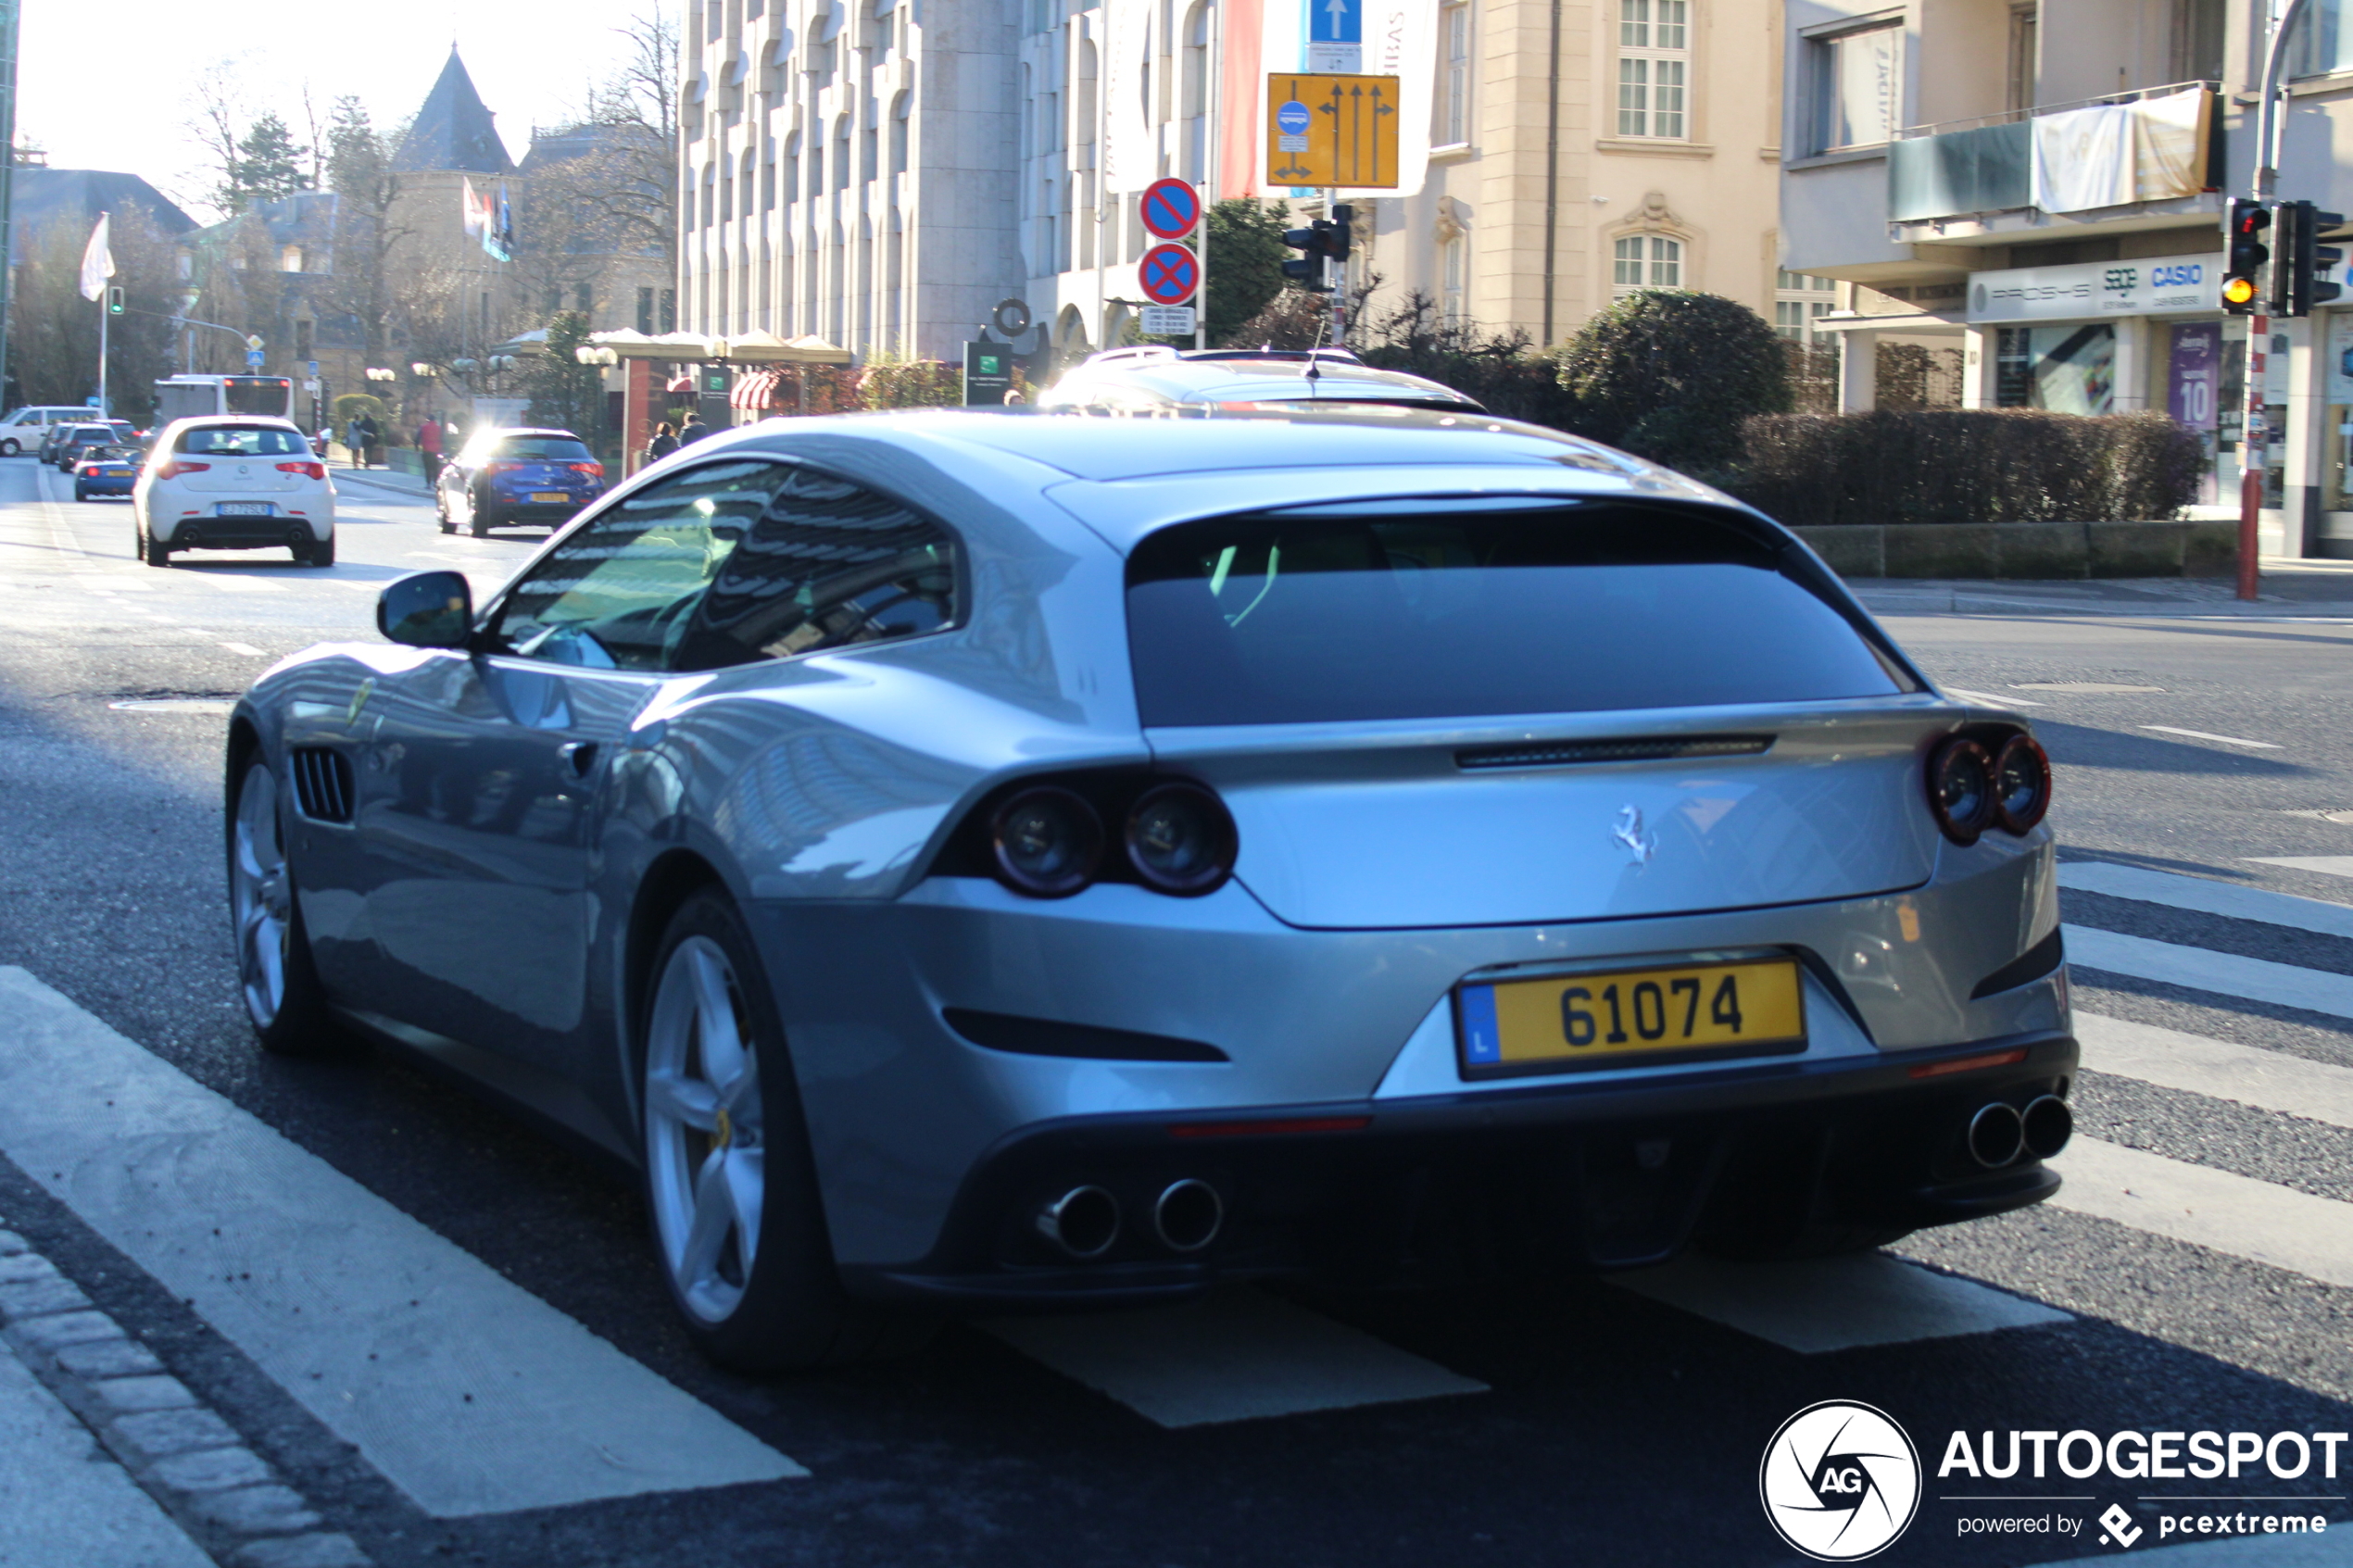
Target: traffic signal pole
[{"x": 2254, "y": 442}]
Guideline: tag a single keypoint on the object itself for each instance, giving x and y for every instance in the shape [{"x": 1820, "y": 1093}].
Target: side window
[
  {"x": 829, "y": 564},
  {"x": 620, "y": 591}
]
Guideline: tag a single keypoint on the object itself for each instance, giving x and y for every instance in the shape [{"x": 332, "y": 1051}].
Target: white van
[{"x": 26, "y": 429}]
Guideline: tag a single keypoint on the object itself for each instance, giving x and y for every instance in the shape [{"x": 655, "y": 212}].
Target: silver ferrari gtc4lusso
[{"x": 977, "y": 862}]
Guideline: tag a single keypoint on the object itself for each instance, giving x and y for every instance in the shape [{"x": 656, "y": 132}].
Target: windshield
[
  {"x": 541, "y": 448},
  {"x": 1415, "y": 610},
  {"x": 255, "y": 395},
  {"x": 242, "y": 441}
]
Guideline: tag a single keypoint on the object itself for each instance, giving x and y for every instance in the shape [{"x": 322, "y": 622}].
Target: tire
[
  {"x": 321, "y": 552},
  {"x": 153, "y": 551},
  {"x": 481, "y": 519},
  {"x": 441, "y": 510},
  {"x": 80, "y": 494},
  {"x": 284, "y": 1002},
  {"x": 723, "y": 1125},
  {"x": 9, "y": 448}
]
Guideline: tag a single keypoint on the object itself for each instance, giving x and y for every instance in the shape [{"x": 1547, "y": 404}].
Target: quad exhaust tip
[
  {"x": 1187, "y": 1215},
  {"x": 1997, "y": 1134},
  {"x": 2048, "y": 1125},
  {"x": 1083, "y": 1221}
]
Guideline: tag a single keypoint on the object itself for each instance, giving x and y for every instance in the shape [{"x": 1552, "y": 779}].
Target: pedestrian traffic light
[
  {"x": 2243, "y": 273},
  {"x": 114, "y": 299},
  {"x": 1309, "y": 270},
  {"x": 2297, "y": 283}
]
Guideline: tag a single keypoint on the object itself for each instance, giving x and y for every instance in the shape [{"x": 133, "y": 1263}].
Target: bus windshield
[{"x": 258, "y": 394}]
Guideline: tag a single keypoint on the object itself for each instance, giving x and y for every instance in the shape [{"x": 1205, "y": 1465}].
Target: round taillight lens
[
  {"x": 1180, "y": 840},
  {"x": 1046, "y": 842},
  {"x": 1960, "y": 789},
  {"x": 2022, "y": 785}
]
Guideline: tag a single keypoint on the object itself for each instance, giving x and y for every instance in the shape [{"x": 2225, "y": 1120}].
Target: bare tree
[
  {"x": 366, "y": 187},
  {"x": 627, "y": 188}
]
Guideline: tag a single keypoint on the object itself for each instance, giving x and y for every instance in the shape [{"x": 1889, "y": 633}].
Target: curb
[{"x": 226, "y": 1497}]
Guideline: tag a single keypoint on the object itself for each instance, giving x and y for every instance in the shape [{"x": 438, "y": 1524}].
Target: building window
[
  {"x": 583, "y": 298},
  {"x": 899, "y": 106},
  {"x": 2025, "y": 27},
  {"x": 670, "y": 310},
  {"x": 1797, "y": 300},
  {"x": 879, "y": 30},
  {"x": 792, "y": 167},
  {"x": 1455, "y": 92},
  {"x": 1193, "y": 94},
  {"x": 1454, "y": 280},
  {"x": 1857, "y": 87},
  {"x": 841, "y": 156},
  {"x": 646, "y": 311},
  {"x": 302, "y": 340},
  {"x": 709, "y": 190},
  {"x": 870, "y": 147},
  {"x": 768, "y": 181},
  {"x": 1654, "y": 61},
  {"x": 1645, "y": 261}
]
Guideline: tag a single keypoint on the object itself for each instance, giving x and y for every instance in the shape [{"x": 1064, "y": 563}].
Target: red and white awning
[{"x": 755, "y": 390}]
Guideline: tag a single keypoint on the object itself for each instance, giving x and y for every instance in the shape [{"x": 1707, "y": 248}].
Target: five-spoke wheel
[{"x": 706, "y": 1156}]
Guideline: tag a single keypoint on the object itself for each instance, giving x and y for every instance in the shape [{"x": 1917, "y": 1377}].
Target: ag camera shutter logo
[{"x": 1840, "y": 1480}]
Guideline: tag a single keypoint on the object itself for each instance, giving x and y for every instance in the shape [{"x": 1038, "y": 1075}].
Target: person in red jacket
[{"x": 429, "y": 448}]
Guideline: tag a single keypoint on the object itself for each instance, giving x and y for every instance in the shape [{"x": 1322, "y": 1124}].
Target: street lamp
[
  {"x": 381, "y": 373},
  {"x": 418, "y": 367}
]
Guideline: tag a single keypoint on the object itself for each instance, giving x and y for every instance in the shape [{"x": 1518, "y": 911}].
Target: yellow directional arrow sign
[{"x": 1331, "y": 130}]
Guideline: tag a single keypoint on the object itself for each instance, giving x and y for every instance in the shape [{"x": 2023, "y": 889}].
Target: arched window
[
  {"x": 709, "y": 193},
  {"x": 1453, "y": 280},
  {"x": 899, "y": 107},
  {"x": 870, "y": 144},
  {"x": 745, "y": 185},
  {"x": 792, "y": 167},
  {"x": 1645, "y": 261},
  {"x": 841, "y": 153},
  {"x": 1193, "y": 107}
]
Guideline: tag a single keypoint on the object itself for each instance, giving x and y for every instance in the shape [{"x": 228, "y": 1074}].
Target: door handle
[{"x": 580, "y": 756}]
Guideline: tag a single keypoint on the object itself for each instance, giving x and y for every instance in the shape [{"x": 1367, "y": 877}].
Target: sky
[{"x": 122, "y": 100}]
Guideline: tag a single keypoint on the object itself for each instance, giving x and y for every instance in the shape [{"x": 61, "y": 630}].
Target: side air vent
[
  {"x": 1659, "y": 748},
  {"x": 322, "y": 783}
]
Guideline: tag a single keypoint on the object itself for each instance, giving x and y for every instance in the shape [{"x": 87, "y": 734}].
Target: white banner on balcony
[{"x": 2113, "y": 154}]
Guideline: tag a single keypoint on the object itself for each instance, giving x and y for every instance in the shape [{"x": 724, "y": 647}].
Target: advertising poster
[{"x": 2193, "y": 391}]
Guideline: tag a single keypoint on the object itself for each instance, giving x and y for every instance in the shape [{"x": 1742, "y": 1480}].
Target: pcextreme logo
[{"x": 1840, "y": 1480}]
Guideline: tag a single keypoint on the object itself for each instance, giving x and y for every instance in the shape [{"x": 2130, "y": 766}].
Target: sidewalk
[
  {"x": 407, "y": 485},
  {"x": 2290, "y": 588}
]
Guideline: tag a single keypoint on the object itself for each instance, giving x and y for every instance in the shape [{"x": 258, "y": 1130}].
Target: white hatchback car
[{"x": 235, "y": 482}]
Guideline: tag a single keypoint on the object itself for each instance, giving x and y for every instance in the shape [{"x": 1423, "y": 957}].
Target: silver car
[
  {"x": 1154, "y": 380},
  {"x": 985, "y": 861}
]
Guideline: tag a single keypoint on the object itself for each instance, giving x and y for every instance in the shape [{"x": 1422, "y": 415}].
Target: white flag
[
  {"x": 477, "y": 214},
  {"x": 97, "y": 261}
]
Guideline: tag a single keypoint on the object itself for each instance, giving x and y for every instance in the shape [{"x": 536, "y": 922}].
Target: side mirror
[{"x": 427, "y": 609}]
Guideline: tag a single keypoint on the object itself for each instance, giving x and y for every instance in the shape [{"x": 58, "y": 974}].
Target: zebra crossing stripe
[
  {"x": 2171, "y": 1060},
  {"x": 466, "y": 1391},
  {"x": 2216, "y": 1210},
  {"x": 2201, "y": 895},
  {"x": 2256, "y": 980}
]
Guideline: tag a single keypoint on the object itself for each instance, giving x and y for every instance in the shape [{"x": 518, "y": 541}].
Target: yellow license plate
[
  {"x": 1633, "y": 1017},
  {"x": 543, "y": 497}
]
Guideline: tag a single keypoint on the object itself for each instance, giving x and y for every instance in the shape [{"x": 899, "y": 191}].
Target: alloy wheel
[
  {"x": 706, "y": 1151},
  {"x": 261, "y": 897}
]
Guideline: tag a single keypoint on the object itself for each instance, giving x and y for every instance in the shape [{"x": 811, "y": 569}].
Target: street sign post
[
  {"x": 1168, "y": 274},
  {"x": 1166, "y": 320},
  {"x": 1171, "y": 208},
  {"x": 1332, "y": 130},
  {"x": 253, "y": 357},
  {"x": 1335, "y": 36},
  {"x": 988, "y": 374}
]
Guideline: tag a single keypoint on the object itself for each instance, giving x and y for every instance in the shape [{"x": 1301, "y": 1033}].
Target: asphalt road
[{"x": 1584, "y": 1421}]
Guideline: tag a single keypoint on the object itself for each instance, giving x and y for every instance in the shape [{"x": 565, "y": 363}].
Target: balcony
[{"x": 2154, "y": 145}]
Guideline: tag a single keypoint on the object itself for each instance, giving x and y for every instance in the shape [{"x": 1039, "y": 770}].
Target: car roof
[
  {"x": 1229, "y": 376},
  {"x": 237, "y": 420},
  {"x": 504, "y": 430}
]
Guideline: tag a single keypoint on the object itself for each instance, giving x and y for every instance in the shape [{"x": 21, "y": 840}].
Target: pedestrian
[
  {"x": 354, "y": 441},
  {"x": 370, "y": 441},
  {"x": 692, "y": 430},
  {"x": 663, "y": 444},
  {"x": 429, "y": 446}
]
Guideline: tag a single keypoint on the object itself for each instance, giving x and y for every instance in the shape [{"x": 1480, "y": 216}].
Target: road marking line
[
  {"x": 2201, "y": 735},
  {"x": 1234, "y": 1355},
  {"x": 2254, "y": 980},
  {"x": 2327, "y": 865},
  {"x": 2171, "y": 1060},
  {"x": 63, "y": 1501},
  {"x": 2196, "y": 893},
  {"x": 467, "y": 1392},
  {"x": 1836, "y": 1303},
  {"x": 247, "y": 648},
  {"x": 1990, "y": 700},
  {"x": 2216, "y": 1209}
]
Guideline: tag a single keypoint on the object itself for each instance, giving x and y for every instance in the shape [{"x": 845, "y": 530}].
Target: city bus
[{"x": 181, "y": 398}]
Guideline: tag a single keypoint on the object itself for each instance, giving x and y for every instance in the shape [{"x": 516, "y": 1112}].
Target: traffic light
[
  {"x": 1343, "y": 230},
  {"x": 114, "y": 299},
  {"x": 2297, "y": 286},
  {"x": 2243, "y": 273},
  {"x": 1317, "y": 241}
]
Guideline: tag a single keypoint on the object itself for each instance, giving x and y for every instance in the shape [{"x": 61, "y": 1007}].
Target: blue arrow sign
[{"x": 1335, "y": 21}]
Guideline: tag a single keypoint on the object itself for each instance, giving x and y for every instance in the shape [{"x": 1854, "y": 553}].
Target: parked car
[
  {"x": 67, "y": 443},
  {"x": 994, "y": 863},
  {"x": 509, "y": 476},
  {"x": 107, "y": 471},
  {"x": 1153, "y": 380},
  {"x": 235, "y": 482},
  {"x": 27, "y": 429}
]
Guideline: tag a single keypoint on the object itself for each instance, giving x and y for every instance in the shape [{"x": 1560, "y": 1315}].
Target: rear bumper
[
  {"x": 249, "y": 532},
  {"x": 1560, "y": 1178},
  {"x": 524, "y": 510}
]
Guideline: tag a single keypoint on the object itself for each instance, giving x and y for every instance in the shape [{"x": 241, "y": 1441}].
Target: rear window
[
  {"x": 1421, "y": 610},
  {"x": 542, "y": 448},
  {"x": 243, "y": 441},
  {"x": 255, "y": 395}
]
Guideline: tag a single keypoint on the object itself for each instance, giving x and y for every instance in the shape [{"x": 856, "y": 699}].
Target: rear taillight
[
  {"x": 1998, "y": 777},
  {"x": 491, "y": 471},
  {"x": 177, "y": 467},
  {"x": 1180, "y": 840},
  {"x": 2022, "y": 783},
  {"x": 1047, "y": 837},
  {"x": 1046, "y": 842},
  {"x": 308, "y": 470},
  {"x": 594, "y": 470}
]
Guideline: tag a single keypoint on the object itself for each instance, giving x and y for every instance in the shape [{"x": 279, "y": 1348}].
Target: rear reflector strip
[
  {"x": 1969, "y": 1063},
  {"x": 1658, "y": 749},
  {"x": 1271, "y": 1129}
]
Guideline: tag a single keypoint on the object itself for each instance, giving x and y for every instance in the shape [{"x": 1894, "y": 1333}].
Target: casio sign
[{"x": 2190, "y": 274}]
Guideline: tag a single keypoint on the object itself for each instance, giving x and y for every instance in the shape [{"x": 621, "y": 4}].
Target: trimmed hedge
[{"x": 1967, "y": 465}]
